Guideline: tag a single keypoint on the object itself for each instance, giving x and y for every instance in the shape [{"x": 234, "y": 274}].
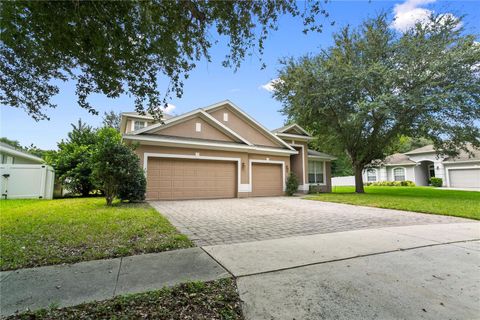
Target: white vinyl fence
[
  {"x": 343, "y": 181},
  {"x": 26, "y": 181}
]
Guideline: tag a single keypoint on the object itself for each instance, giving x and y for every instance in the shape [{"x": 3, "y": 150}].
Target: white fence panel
[
  {"x": 26, "y": 181},
  {"x": 343, "y": 181}
]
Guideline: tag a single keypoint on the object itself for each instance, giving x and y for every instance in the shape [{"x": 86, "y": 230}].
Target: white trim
[
  {"x": 322, "y": 158},
  {"x": 324, "y": 174},
  {"x": 240, "y": 186},
  {"x": 235, "y": 107},
  {"x": 207, "y": 117},
  {"x": 20, "y": 154},
  {"x": 296, "y": 136},
  {"x": 265, "y": 161},
  {"x": 303, "y": 159},
  {"x": 460, "y": 161},
  {"x": 376, "y": 174},
  {"x": 294, "y": 125},
  {"x": 404, "y": 173},
  {"x": 447, "y": 172},
  {"x": 207, "y": 145}
]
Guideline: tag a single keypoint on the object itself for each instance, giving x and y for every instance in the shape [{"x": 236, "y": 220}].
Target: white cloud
[
  {"x": 269, "y": 85},
  {"x": 170, "y": 107},
  {"x": 409, "y": 13}
]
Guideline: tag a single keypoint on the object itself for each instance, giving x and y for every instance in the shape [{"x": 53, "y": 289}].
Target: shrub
[
  {"x": 436, "y": 182},
  {"x": 116, "y": 165},
  {"x": 406, "y": 183},
  {"x": 135, "y": 185},
  {"x": 292, "y": 184}
]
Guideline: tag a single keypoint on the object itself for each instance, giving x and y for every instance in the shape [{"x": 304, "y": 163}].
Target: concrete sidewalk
[
  {"x": 68, "y": 285},
  {"x": 286, "y": 278}
]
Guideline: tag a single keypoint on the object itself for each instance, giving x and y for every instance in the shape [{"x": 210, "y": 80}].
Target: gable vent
[{"x": 198, "y": 127}]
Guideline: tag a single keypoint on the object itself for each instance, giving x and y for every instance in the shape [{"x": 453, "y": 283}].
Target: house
[
  {"x": 221, "y": 152},
  {"x": 421, "y": 164},
  {"x": 24, "y": 176}
]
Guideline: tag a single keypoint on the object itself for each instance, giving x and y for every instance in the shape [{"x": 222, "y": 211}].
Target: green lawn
[
  {"x": 421, "y": 199},
  {"x": 195, "y": 300},
  {"x": 45, "y": 232}
]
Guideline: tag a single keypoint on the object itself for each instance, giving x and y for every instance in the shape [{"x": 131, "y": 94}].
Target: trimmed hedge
[
  {"x": 406, "y": 183},
  {"x": 436, "y": 182}
]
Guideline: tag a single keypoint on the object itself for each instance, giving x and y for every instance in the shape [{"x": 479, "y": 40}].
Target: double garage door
[
  {"x": 177, "y": 179},
  {"x": 464, "y": 178}
]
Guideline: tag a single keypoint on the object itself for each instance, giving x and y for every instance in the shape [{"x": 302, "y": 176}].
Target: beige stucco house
[
  {"x": 421, "y": 164},
  {"x": 221, "y": 152}
]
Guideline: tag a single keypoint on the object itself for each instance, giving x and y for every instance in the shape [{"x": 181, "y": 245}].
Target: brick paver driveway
[{"x": 224, "y": 221}]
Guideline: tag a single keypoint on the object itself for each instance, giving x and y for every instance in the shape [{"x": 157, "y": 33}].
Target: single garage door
[
  {"x": 464, "y": 178},
  {"x": 267, "y": 180},
  {"x": 175, "y": 179}
]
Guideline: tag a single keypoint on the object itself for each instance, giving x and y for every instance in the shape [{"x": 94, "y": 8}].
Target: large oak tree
[
  {"x": 122, "y": 47},
  {"x": 373, "y": 86}
]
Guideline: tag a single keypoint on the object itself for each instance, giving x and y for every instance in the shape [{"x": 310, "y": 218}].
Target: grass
[
  {"x": 45, "y": 232},
  {"x": 464, "y": 204},
  {"x": 195, "y": 300}
]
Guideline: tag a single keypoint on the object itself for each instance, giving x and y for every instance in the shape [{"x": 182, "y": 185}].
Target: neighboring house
[
  {"x": 421, "y": 164},
  {"x": 221, "y": 152},
  {"x": 24, "y": 175}
]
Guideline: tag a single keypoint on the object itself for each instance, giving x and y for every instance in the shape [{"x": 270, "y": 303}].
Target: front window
[
  {"x": 139, "y": 125},
  {"x": 371, "y": 175},
  {"x": 399, "y": 174},
  {"x": 431, "y": 171},
  {"x": 315, "y": 172}
]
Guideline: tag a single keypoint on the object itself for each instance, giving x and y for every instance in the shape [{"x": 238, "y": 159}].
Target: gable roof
[
  {"x": 249, "y": 119},
  {"x": 8, "y": 149},
  {"x": 398, "y": 158},
  {"x": 293, "y": 126},
  {"x": 189, "y": 115},
  {"x": 426, "y": 149},
  {"x": 320, "y": 155}
]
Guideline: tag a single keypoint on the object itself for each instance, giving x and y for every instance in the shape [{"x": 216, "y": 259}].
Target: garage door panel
[
  {"x": 464, "y": 178},
  {"x": 171, "y": 179},
  {"x": 267, "y": 180}
]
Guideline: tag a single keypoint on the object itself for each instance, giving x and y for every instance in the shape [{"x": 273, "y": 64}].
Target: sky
[{"x": 249, "y": 86}]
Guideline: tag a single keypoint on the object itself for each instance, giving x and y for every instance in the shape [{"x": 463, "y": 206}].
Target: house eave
[
  {"x": 322, "y": 158},
  {"x": 294, "y": 136},
  {"x": 160, "y": 141},
  {"x": 21, "y": 154}
]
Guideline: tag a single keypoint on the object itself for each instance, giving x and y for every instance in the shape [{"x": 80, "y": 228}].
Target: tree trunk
[
  {"x": 109, "y": 199},
  {"x": 359, "y": 179}
]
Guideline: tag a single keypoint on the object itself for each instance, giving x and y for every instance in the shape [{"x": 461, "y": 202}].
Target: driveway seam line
[
  {"x": 219, "y": 263},
  {"x": 118, "y": 276},
  {"x": 354, "y": 257}
]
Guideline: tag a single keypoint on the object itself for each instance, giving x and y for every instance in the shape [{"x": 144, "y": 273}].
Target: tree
[
  {"x": 115, "y": 164},
  {"x": 374, "y": 86},
  {"x": 13, "y": 143},
  {"x": 121, "y": 47},
  {"x": 112, "y": 120},
  {"x": 72, "y": 161}
]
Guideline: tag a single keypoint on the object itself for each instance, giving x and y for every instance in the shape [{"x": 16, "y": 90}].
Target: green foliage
[
  {"x": 420, "y": 199},
  {"x": 32, "y": 149},
  {"x": 406, "y": 183},
  {"x": 374, "y": 86},
  {"x": 121, "y": 47},
  {"x": 112, "y": 120},
  {"x": 405, "y": 144},
  {"x": 13, "y": 143},
  {"x": 72, "y": 161},
  {"x": 45, "y": 232},
  {"x": 436, "y": 182},
  {"x": 114, "y": 165},
  {"x": 134, "y": 185},
  {"x": 292, "y": 184}
]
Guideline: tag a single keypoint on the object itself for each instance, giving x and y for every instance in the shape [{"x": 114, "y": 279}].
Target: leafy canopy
[
  {"x": 374, "y": 86},
  {"x": 117, "y": 47}
]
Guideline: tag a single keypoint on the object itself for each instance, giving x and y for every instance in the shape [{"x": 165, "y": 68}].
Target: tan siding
[
  {"x": 243, "y": 128},
  {"x": 187, "y": 129},
  {"x": 267, "y": 180}
]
